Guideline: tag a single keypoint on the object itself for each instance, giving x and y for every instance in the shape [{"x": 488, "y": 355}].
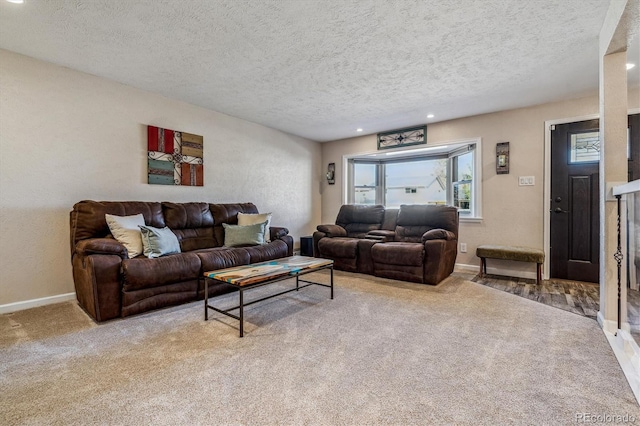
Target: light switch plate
[{"x": 526, "y": 180}]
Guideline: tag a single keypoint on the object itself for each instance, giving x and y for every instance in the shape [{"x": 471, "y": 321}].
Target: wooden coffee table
[{"x": 255, "y": 275}]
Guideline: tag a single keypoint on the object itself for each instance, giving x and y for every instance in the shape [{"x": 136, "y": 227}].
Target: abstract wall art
[{"x": 175, "y": 158}]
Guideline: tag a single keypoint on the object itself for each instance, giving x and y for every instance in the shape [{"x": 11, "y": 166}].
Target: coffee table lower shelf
[{"x": 268, "y": 280}]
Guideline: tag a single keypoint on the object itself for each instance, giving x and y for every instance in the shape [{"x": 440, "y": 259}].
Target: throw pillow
[
  {"x": 245, "y": 219},
  {"x": 159, "y": 241},
  {"x": 237, "y": 235},
  {"x": 125, "y": 229}
]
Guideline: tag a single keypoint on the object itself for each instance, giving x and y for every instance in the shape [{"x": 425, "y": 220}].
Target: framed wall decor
[
  {"x": 331, "y": 173},
  {"x": 174, "y": 158},
  {"x": 502, "y": 158},
  {"x": 403, "y": 137}
]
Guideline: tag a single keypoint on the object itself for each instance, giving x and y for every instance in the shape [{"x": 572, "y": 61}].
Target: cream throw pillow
[
  {"x": 126, "y": 230},
  {"x": 245, "y": 219}
]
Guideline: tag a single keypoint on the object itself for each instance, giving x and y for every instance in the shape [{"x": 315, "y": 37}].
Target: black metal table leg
[
  {"x": 297, "y": 283},
  {"x": 206, "y": 299},
  {"x": 241, "y": 314},
  {"x": 331, "y": 282}
]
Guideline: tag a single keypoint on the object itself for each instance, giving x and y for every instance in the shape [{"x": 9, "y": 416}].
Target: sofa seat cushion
[
  {"x": 276, "y": 249},
  {"x": 142, "y": 272},
  {"x": 408, "y": 254},
  {"x": 222, "y": 257},
  {"x": 339, "y": 247},
  {"x": 146, "y": 299}
]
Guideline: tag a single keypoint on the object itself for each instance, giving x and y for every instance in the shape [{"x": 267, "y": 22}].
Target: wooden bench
[{"x": 520, "y": 254}]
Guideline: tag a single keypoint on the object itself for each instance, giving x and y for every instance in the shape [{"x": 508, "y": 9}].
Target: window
[
  {"x": 462, "y": 182},
  {"x": 365, "y": 183},
  {"x": 415, "y": 182},
  {"x": 585, "y": 147},
  {"x": 434, "y": 175}
]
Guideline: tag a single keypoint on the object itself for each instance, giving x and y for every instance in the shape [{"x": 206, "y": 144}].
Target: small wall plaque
[
  {"x": 502, "y": 158},
  {"x": 402, "y": 137},
  {"x": 331, "y": 173}
]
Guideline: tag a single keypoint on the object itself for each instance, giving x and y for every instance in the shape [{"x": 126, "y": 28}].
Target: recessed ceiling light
[
  {"x": 430, "y": 116},
  {"x": 629, "y": 66},
  {"x": 16, "y": 1},
  {"x": 358, "y": 130}
]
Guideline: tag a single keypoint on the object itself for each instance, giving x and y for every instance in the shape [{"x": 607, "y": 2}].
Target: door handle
[{"x": 559, "y": 210}]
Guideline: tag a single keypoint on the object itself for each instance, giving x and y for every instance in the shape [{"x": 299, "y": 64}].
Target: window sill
[{"x": 471, "y": 220}]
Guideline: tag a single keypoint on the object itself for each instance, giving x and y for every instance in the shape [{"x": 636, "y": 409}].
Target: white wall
[
  {"x": 512, "y": 214},
  {"x": 67, "y": 136}
]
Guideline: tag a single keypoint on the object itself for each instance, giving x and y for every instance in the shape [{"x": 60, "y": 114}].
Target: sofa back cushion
[
  {"x": 192, "y": 223},
  {"x": 87, "y": 218},
  {"x": 416, "y": 219},
  {"x": 358, "y": 219},
  {"x": 228, "y": 213}
]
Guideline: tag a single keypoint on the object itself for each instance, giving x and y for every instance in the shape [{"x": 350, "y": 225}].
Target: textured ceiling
[{"x": 322, "y": 68}]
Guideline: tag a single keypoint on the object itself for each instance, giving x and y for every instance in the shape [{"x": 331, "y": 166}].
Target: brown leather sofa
[
  {"x": 110, "y": 285},
  {"x": 416, "y": 243}
]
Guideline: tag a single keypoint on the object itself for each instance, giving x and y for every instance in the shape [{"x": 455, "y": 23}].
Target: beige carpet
[{"x": 382, "y": 352}]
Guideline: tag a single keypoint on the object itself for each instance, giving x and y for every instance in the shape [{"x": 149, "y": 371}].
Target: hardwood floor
[{"x": 574, "y": 296}]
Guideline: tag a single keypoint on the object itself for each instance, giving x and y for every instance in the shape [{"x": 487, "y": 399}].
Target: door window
[{"x": 585, "y": 147}]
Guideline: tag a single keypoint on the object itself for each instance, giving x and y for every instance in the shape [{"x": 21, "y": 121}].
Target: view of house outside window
[{"x": 416, "y": 182}]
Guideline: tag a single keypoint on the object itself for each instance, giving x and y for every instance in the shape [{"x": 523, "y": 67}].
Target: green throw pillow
[
  {"x": 157, "y": 242},
  {"x": 236, "y": 235}
]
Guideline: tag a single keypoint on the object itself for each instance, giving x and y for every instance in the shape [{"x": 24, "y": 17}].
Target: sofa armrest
[
  {"x": 381, "y": 234},
  {"x": 438, "y": 234},
  {"x": 277, "y": 232},
  {"x": 332, "y": 230},
  {"x": 101, "y": 246},
  {"x": 98, "y": 285}
]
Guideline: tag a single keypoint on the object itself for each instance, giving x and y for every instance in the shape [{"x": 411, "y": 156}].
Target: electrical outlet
[
  {"x": 463, "y": 247},
  {"x": 526, "y": 180}
]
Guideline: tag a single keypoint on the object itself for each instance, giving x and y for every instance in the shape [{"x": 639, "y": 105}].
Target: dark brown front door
[
  {"x": 575, "y": 215},
  {"x": 634, "y": 147}
]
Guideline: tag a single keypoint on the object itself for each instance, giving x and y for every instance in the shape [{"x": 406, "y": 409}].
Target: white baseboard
[
  {"x": 461, "y": 267},
  {"x": 33, "y": 303},
  {"x": 628, "y": 355},
  {"x": 610, "y": 326}
]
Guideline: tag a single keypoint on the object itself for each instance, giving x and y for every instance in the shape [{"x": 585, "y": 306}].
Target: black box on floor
[{"x": 306, "y": 246}]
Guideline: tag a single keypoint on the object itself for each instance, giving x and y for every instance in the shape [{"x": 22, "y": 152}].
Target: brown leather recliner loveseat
[
  {"x": 416, "y": 242},
  {"x": 109, "y": 284}
]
